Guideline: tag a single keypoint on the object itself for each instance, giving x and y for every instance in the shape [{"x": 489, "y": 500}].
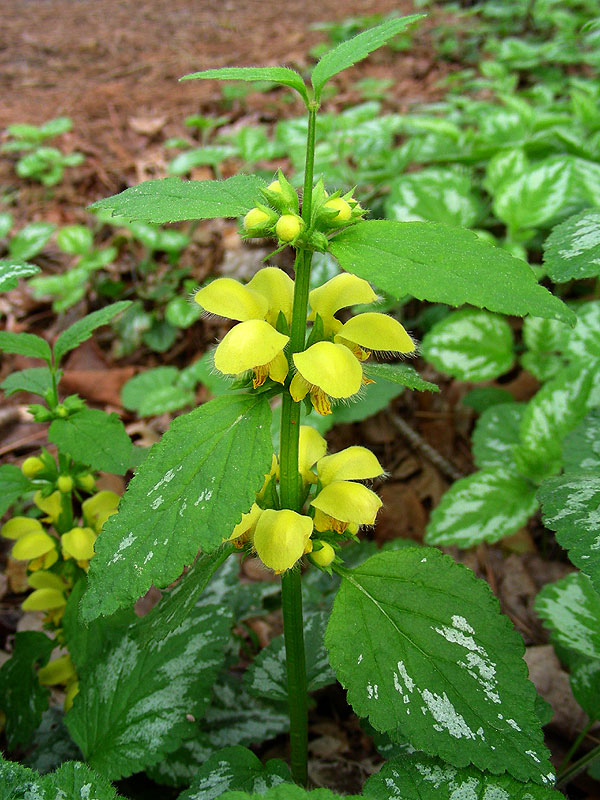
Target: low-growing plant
[{"x": 40, "y": 162}]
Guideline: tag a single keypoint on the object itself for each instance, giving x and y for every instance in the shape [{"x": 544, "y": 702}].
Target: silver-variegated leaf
[
  {"x": 420, "y": 644},
  {"x": 584, "y": 340},
  {"x": 483, "y": 507},
  {"x": 573, "y": 248},
  {"x": 570, "y": 607},
  {"x": 496, "y": 434},
  {"x": 585, "y": 684}
]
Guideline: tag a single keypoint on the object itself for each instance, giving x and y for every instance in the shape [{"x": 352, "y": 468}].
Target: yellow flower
[
  {"x": 342, "y": 504},
  {"x": 59, "y": 670},
  {"x": 253, "y": 345},
  {"x": 78, "y": 543},
  {"x": 341, "y": 291},
  {"x": 325, "y": 370},
  {"x": 31, "y": 466},
  {"x": 36, "y": 546},
  {"x": 98, "y": 508},
  {"x": 352, "y": 464},
  {"x": 245, "y": 528},
  {"x": 311, "y": 447},
  {"x": 51, "y": 505},
  {"x": 72, "y": 690},
  {"x": 17, "y": 527},
  {"x": 374, "y": 331},
  {"x": 49, "y": 595},
  {"x": 281, "y": 538},
  {"x": 277, "y": 288}
]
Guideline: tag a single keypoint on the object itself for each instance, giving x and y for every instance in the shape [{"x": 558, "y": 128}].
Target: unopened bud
[
  {"x": 289, "y": 227},
  {"x": 254, "y": 219},
  {"x": 341, "y": 206},
  {"x": 31, "y": 466},
  {"x": 87, "y": 481},
  {"x": 65, "y": 483},
  {"x": 325, "y": 556}
]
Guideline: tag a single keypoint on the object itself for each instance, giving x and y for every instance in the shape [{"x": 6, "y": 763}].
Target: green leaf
[
  {"x": 556, "y": 409},
  {"x": 83, "y": 328},
  {"x": 585, "y": 684},
  {"x": 184, "y": 163},
  {"x": 161, "y": 336},
  {"x": 76, "y": 781},
  {"x": 496, "y": 434},
  {"x": 572, "y": 251},
  {"x": 36, "y": 380},
  {"x": 419, "y": 643},
  {"x": 21, "y": 783},
  {"x": 422, "y": 777},
  {"x": 280, "y": 75},
  {"x": 94, "y": 438},
  {"x": 189, "y": 493},
  {"x": 289, "y": 791},
  {"x": 25, "y": 344},
  {"x": 13, "y": 484},
  {"x": 178, "y": 602},
  {"x": 483, "y": 397},
  {"x": 483, "y": 507},
  {"x": 30, "y": 240},
  {"x": 11, "y": 269},
  {"x": 75, "y": 239},
  {"x": 583, "y": 343},
  {"x": 266, "y": 676},
  {"x": 470, "y": 345},
  {"x": 581, "y": 447},
  {"x": 570, "y": 608},
  {"x": 349, "y": 52},
  {"x": 52, "y": 745},
  {"x": 545, "y": 335},
  {"x": 571, "y": 507},
  {"x": 235, "y": 769},
  {"x": 156, "y": 391},
  {"x": 373, "y": 398},
  {"x": 134, "y": 699},
  {"x": 22, "y": 698},
  {"x": 174, "y": 200},
  {"x": 181, "y": 313},
  {"x": 443, "y": 265},
  {"x": 399, "y": 373}
]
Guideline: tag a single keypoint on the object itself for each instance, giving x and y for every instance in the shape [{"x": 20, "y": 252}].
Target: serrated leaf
[
  {"x": 281, "y": 75},
  {"x": 13, "y": 484},
  {"x": 443, "y": 265},
  {"x": 571, "y": 507},
  {"x": 178, "y": 602},
  {"x": 235, "y": 769},
  {"x": 22, "y": 698},
  {"x": 570, "y": 608},
  {"x": 399, "y": 373},
  {"x": 36, "y": 380},
  {"x": 25, "y": 344},
  {"x": 422, "y": 777},
  {"x": 572, "y": 251},
  {"x": 174, "y": 200},
  {"x": 52, "y": 744},
  {"x": 352, "y": 50},
  {"x": 581, "y": 447},
  {"x": 447, "y": 666},
  {"x": 483, "y": 507},
  {"x": 155, "y": 391},
  {"x": 76, "y": 781},
  {"x": 496, "y": 434},
  {"x": 94, "y": 438},
  {"x": 289, "y": 791},
  {"x": 470, "y": 345},
  {"x": 11, "y": 269},
  {"x": 21, "y": 783},
  {"x": 556, "y": 409},
  {"x": 583, "y": 343},
  {"x": 267, "y": 677},
  {"x": 585, "y": 684},
  {"x": 133, "y": 700},
  {"x": 189, "y": 493},
  {"x": 83, "y": 328},
  {"x": 28, "y": 242}
]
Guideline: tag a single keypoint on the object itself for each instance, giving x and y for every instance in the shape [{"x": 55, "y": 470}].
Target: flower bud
[
  {"x": 338, "y": 204},
  {"x": 31, "y": 466},
  {"x": 86, "y": 481},
  {"x": 275, "y": 187},
  {"x": 289, "y": 227},
  {"x": 325, "y": 556},
  {"x": 62, "y": 411},
  {"x": 255, "y": 220},
  {"x": 65, "y": 484}
]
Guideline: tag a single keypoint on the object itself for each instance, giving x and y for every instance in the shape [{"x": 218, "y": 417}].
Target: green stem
[
  {"x": 291, "y": 493},
  {"x": 575, "y": 747},
  {"x": 568, "y": 775}
]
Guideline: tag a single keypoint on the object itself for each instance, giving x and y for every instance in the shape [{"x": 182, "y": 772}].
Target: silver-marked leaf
[
  {"x": 51, "y": 745},
  {"x": 289, "y": 791},
  {"x": 188, "y": 494},
  {"x": 81, "y": 330},
  {"x": 496, "y": 434},
  {"x": 571, "y": 507},
  {"x": 21, "y": 783},
  {"x": 13, "y": 484},
  {"x": 420, "y": 644},
  {"x": 543, "y": 366},
  {"x": 584, "y": 341},
  {"x": 267, "y": 677},
  {"x": 581, "y": 447},
  {"x": 585, "y": 684},
  {"x": 30, "y": 240},
  {"x": 545, "y": 335},
  {"x": 94, "y": 438},
  {"x": 25, "y": 344},
  {"x": 281, "y": 75},
  {"x": 422, "y": 777},
  {"x": 399, "y": 373},
  {"x": 573, "y": 248},
  {"x": 133, "y": 702},
  {"x": 570, "y": 608},
  {"x": 76, "y": 781},
  {"x": 352, "y": 50},
  {"x": 11, "y": 269},
  {"x": 443, "y": 265},
  {"x": 174, "y": 200},
  {"x": 557, "y": 408},
  {"x": 470, "y": 345},
  {"x": 483, "y": 507},
  {"x": 37, "y": 380},
  {"x": 235, "y": 769}
]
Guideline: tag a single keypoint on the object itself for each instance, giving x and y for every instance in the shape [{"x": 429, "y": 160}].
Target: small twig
[{"x": 417, "y": 441}]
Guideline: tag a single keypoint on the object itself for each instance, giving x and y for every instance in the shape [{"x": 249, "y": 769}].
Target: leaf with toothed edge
[
  {"x": 419, "y": 643},
  {"x": 571, "y": 609},
  {"x": 282, "y": 75},
  {"x": 188, "y": 494}
]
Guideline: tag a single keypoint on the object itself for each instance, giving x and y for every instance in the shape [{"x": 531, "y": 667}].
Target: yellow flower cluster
[{"x": 340, "y": 505}]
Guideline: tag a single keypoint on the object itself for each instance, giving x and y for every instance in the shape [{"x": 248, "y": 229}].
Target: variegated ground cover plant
[{"x": 418, "y": 642}]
